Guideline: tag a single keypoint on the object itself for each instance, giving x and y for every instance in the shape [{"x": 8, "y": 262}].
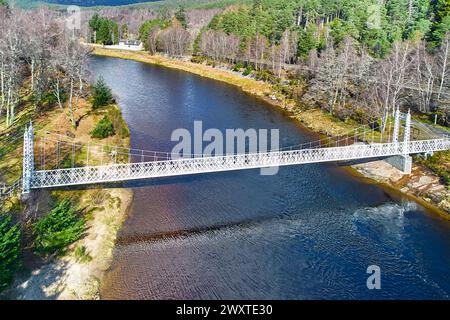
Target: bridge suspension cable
[
  {"x": 87, "y": 167},
  {"x": 67, "y": 152}
]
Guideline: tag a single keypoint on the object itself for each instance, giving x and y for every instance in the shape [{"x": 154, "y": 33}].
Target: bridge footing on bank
[{"x": 402, "y": 163}]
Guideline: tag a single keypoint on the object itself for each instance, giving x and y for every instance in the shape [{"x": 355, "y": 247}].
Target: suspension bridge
[{"x": 54, "y": 169}]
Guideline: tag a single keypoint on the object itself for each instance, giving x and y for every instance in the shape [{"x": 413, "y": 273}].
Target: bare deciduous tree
[
  {"x": 443, "y": 63},
  {"x": 424, "y": 76},
  {"x": 175, "y": 40},
  {"x": 219, "y": 46},
  {"x": 392, "y": 77}
]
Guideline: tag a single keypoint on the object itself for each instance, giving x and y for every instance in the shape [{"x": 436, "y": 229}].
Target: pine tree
[
  {"x": 104, "y": 32},
  {"x": 9, "y": 250},
  {"x": 180, "y": 15},
  {"x": 58, "y": 229},
  {"x": 101, "y": 93},
  {"x": 307, "y": 41},
  {"x": 441, "y": 21}
]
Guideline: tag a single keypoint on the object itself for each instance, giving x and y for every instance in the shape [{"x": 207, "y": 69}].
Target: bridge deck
[{"x": 145, "y": 170}]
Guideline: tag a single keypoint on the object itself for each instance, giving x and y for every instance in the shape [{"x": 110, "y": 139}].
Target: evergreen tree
[
  {"x": 114, "y": 31},
  {"x": 104, "y": 32},
  {"x": 419, "y": 24},
  {"x": 9, "y": 250},
  {"x": 341, "y": 29},
  {"x": 397, "y": 13},
  {"x": 124, "y": 31},
  {"x": 104, "y": 129},
  {"x": 180, "y": 15},
  {"x": 94, "y": 23},
  {"x": 57, "y": 229},
  {"x": 441, "y": 21},
  {"x": 107, "y": 31},
  {"x": 307, "y": 41},
  {"x": 101, "y": 94}
]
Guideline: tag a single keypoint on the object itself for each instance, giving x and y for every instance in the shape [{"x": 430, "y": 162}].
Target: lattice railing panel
[{"x": 143, "y": 170}]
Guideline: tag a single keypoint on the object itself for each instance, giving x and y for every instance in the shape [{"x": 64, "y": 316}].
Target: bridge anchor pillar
[{"x": 401, "y": 162}]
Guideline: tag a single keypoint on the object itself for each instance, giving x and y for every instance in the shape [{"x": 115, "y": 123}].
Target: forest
[
  {"x": 36, "y": 47},
  {"x": 356, "y": 59}
]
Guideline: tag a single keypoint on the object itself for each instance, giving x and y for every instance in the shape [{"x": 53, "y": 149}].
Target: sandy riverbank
[
  {"x": 422, "y": 185},
  {"x": 71, "y": 277}
]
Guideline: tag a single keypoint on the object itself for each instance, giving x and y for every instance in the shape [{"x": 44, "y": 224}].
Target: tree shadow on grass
[{"x": 42, "y": 283}]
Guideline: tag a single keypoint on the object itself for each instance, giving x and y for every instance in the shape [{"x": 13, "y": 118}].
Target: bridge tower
[
  {"x": 396, "y": 126},
  {"x": 28, "y": 159},
  {"x": 403, "y": 161},
  {"x": 407, "y": 134}
]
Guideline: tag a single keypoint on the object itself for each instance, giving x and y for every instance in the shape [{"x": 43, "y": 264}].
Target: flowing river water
[{"x": 309, "y": 232}]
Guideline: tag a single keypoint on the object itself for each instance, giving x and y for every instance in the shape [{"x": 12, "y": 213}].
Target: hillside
[
  {"x": 95, "y": 3},
  {"x": 28, "y": 4}
]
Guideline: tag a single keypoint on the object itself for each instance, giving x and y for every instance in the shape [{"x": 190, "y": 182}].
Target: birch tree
[
  {"x": 443, "y": 64},
  {"x": 392, "y": 78},
  {"x": 424, "y": 77},
  {"x": 72, "y": 63}
]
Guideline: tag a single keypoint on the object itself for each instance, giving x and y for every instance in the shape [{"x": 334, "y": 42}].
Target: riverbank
[
  {"x": 74, "y": 275},
  {"x": 422, "y": 185},
  {"x": 78, "y": 272}
]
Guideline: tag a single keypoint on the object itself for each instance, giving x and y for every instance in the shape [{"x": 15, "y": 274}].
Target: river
[{"x": 309, "y": 232}]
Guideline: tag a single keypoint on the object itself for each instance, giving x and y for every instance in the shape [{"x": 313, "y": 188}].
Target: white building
[{"x": 133, "y": 45}]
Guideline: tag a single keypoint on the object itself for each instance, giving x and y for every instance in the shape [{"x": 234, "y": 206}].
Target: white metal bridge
[{"x": 34, "y": 177}]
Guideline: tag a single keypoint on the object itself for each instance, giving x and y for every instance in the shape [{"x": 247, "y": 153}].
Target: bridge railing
[
  {"x": 7, "y": 191},
  {"x": 130, "y": 171}
]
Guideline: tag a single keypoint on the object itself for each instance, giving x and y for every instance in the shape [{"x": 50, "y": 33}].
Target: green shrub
[
  {"x": 439, "y": 164},
  {"x": 9, "y": 250},
  {"x": 119, "y": 124},
  {"x": 49, "y": 99},
  {"x": 101, "y": 94},
  {"x": 58, "y": 229},
  {"x": 238, "y": 66},
  {"x": 247, "y": 70},
  {"x": 198, "y": 59},
  {"x": 265, "y": 75},
  {"x": 104, "y": 129},
  {"x": 211, "y": 62}
]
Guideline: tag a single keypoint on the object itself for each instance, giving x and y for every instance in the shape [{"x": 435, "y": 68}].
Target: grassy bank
[
  {"x": 76, "y": 272},
  {"x": 321, "y": 122},
  {"x": 258, "y": 88}
]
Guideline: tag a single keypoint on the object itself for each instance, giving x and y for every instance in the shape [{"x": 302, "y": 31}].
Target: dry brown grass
[{"x": 252, "y": 86}]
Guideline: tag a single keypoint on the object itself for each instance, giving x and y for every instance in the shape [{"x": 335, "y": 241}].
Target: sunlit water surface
[{"x": 309, "y": 232}]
